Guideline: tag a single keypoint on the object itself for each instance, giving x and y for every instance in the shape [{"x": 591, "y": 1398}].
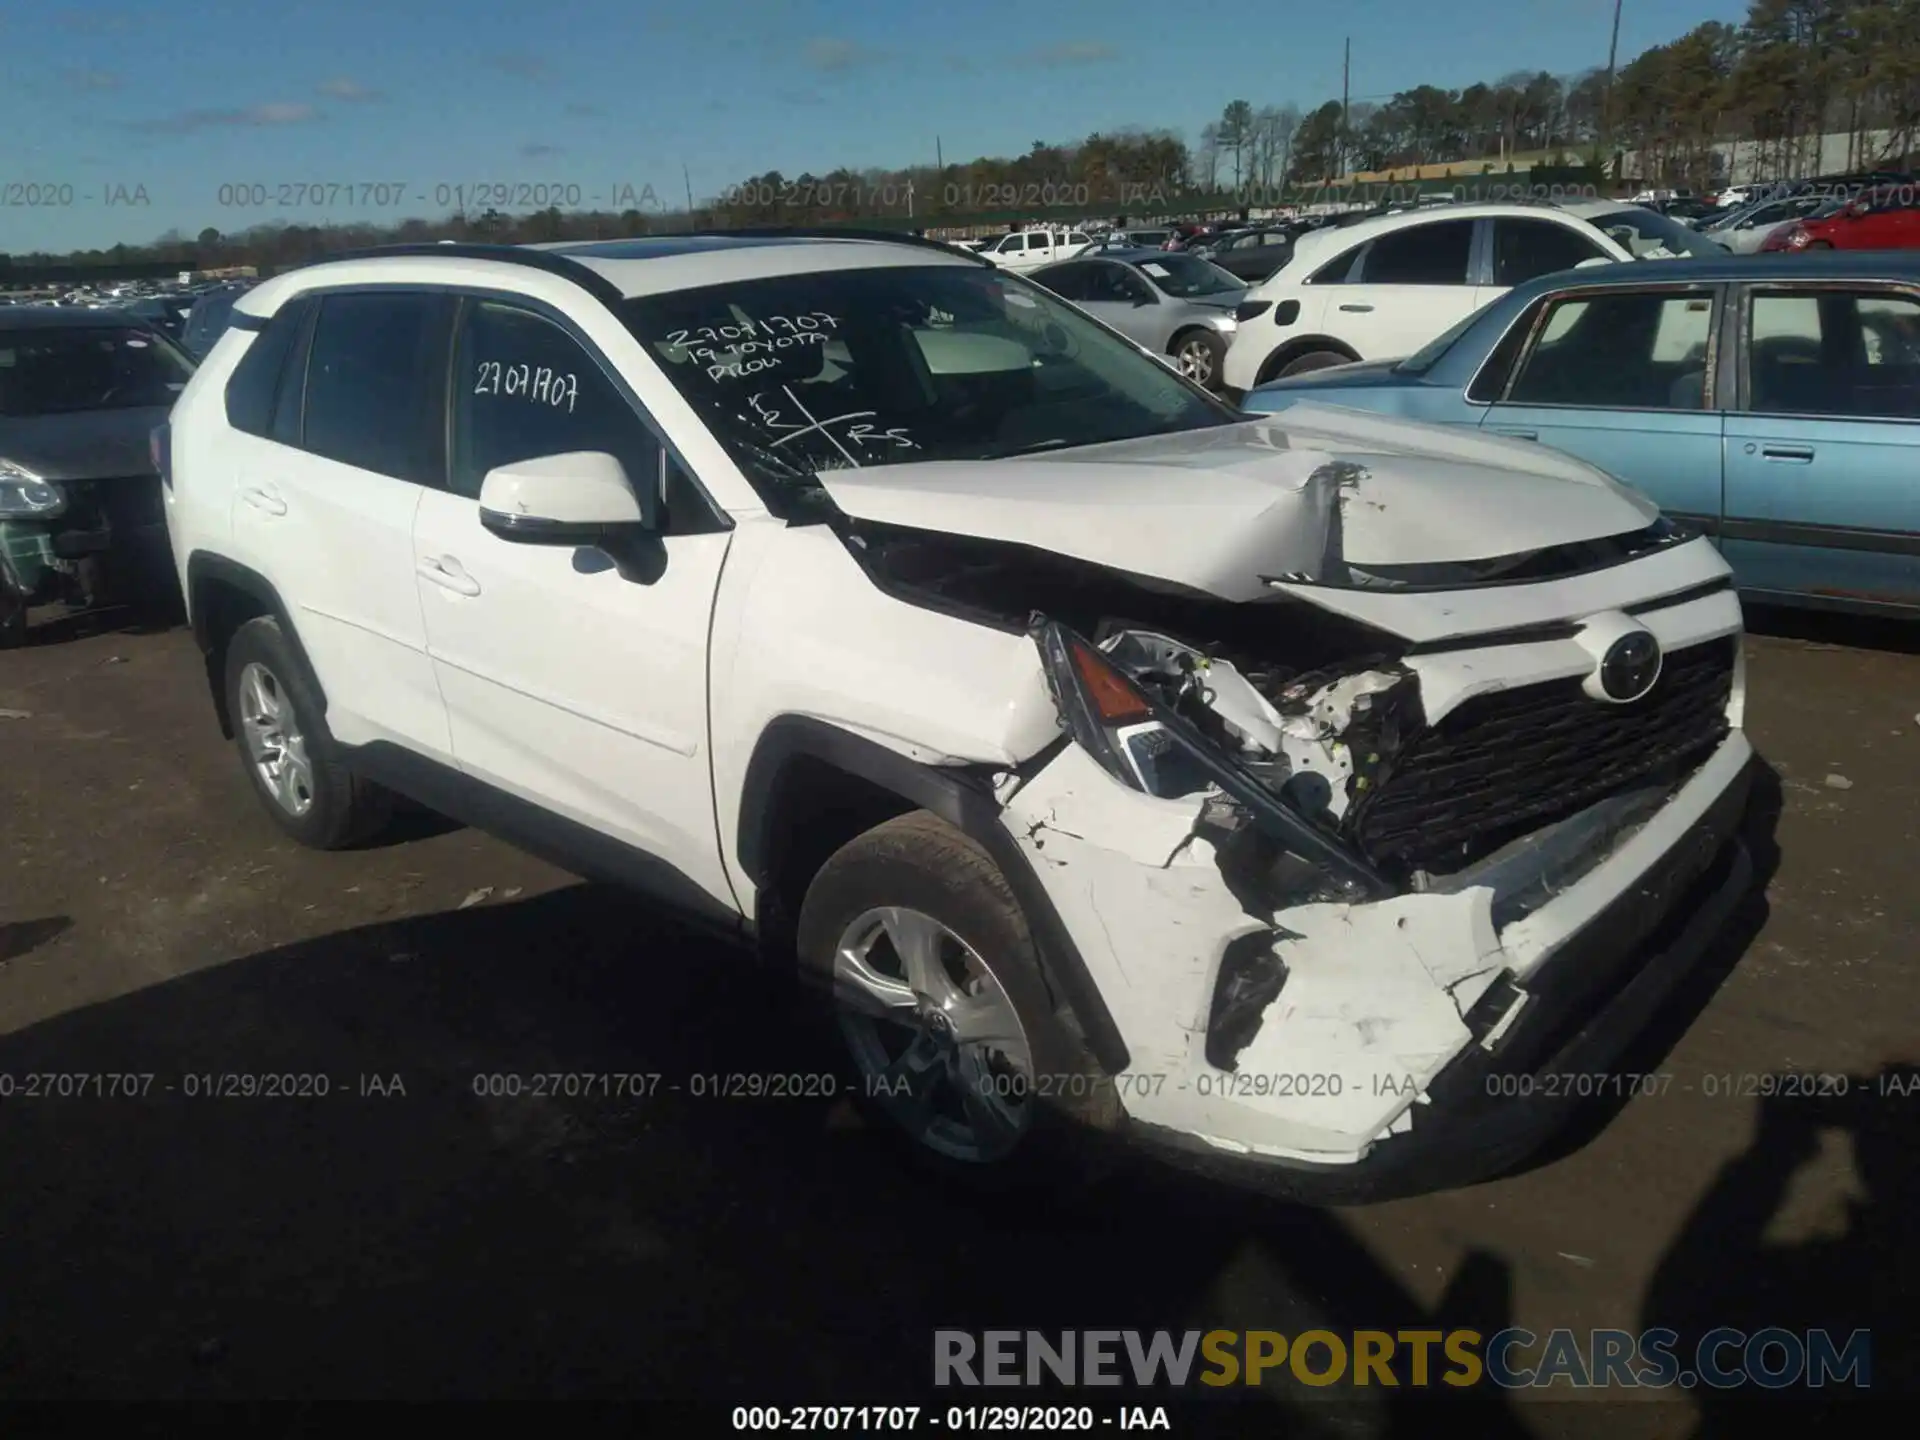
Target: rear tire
[
  {"x": 13, "y": 623},
  {"x": 954, "y": 1046},
  {"x": 280, "y": 732},
  {"x": 1314, "y": 360}
]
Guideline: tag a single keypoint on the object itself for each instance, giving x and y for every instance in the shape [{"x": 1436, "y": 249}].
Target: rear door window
[
  {"x": 376, "y": 383},
  {"x": 1434, "y": 254},
  {"x": 1620, "y": 350},
  {"x": 1524, "y": 250}
]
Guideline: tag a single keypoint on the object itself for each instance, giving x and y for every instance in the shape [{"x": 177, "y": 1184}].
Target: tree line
[{"x": 1792, "y": 71}]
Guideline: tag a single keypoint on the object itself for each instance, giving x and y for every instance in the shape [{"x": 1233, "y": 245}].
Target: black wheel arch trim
[
  {"x": 203, "y": 567},
  {"x": 962, "y": 802}
]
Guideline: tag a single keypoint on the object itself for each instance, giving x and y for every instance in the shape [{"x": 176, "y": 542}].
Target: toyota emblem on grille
[{"x": 1630, "y": 666}]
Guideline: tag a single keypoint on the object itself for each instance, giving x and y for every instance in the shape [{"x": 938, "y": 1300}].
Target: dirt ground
[{"x": 406, "y": 1236}]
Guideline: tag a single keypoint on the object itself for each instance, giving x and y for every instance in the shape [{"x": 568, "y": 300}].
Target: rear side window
[
  {"x": 1622, "y": 350},
  {"x": 1434, "y": 254},
  {"x": 254, "y": 386},
  {"x": 1069, "y": 282},
  {"x": 1336, "y": 272},
  {"x": 376, "y": 383},
  {"x": 1524, "y": 250}
]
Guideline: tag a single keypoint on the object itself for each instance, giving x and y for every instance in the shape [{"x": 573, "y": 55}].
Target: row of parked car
[{"x": 1771, "y": 407}]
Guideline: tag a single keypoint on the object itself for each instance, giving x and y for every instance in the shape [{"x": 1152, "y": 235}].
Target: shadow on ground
[
  {"x": 1725, "y": 1272},
  {"x": 1832, "y": 627},
  {"x": 420, "y": 1230},
  {"x": 447, "y": 1242}
]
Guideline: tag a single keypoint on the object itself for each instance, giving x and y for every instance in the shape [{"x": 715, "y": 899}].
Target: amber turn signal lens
[{"x": 1113, "y": 699}]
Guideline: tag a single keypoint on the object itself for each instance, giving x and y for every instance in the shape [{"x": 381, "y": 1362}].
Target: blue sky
[{"x": 613, "y": 97}]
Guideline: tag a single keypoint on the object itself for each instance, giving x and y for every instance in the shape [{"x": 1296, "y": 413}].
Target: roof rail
[
  {"x": 822, "y": 232},
  {"x": 553, "y": 262}
]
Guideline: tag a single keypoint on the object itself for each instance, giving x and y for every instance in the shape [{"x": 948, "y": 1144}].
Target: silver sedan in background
[{"x": 1171, "y": 303}]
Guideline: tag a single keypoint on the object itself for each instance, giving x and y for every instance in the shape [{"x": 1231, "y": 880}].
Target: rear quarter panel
[{"x": 199, "y": 507}]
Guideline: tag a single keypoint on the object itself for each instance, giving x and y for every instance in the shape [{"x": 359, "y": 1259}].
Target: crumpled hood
[
  {"x": 83, "y": 445},
  {"x": 1301, "y": 495}
]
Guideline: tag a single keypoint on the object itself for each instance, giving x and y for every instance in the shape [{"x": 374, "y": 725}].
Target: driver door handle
[
  {"x": 1358, "y": 309},
  {"x": 445, "y": 572},
  {"x": 262, "y": 499},
  {"x": 1517, "y": 434}
]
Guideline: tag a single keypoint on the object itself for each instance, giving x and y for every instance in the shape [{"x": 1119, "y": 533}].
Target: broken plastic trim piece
[{"x": 1067, "y": 658}]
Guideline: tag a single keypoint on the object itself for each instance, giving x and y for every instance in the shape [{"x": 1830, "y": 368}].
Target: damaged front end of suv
[{"x": 1334, "y": 883}]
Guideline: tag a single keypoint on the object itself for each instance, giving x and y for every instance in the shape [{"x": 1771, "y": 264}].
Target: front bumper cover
[
  {"x": 1501, "y": 1099},
  {"x": 1407, "y": 1011}
]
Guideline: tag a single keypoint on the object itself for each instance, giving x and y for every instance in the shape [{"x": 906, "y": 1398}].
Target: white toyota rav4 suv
[
  {"x": 1286, "y": 791},
  {"x": 1380, "y": 287}
]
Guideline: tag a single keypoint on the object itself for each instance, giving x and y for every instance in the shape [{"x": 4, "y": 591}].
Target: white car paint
[
  {"x": 1218, "y": 510},
  {"x": 1028, "y": 249},
  {"x": 1372, "y": 321},
  {"x": 634, "y": 709},
  {"x": 582, "y": 488}
]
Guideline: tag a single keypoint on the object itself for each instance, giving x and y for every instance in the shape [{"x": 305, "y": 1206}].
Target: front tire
[
  {"x": 953, "y": 1039},
  {"x": 279, "y": 730},
  {"x": 1198, "y": 354},
  {"x": 13, "y": 623}
]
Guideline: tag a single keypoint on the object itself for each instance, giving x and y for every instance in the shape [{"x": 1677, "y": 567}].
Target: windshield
[
  {"x": 1185, "y": 276},
  {"x": 850, "y": 368},
  {"x": 1649, "y": 236},
  {"x": 67, "y": 369}
]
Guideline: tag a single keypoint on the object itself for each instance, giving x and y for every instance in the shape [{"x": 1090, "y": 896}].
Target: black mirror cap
[{"x": 538, "y": 530}]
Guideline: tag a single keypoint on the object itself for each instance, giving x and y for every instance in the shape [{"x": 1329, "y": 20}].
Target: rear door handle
[
  {"x": 264, "y": 500},
  {"x": 1358, "y": 309},
  {"x": 1518, "y": 434},
  {"x": 447, "y": 574},
  {"x": 1800, "y": 454}
]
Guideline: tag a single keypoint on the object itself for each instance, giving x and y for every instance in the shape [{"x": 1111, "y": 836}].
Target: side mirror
[
  {"x": 580, "y": 498},
  {"x": 1141, "y": 302}
]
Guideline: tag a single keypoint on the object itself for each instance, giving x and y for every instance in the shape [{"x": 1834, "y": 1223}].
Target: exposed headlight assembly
[
  {"x": 1147, "y": 747},
  {"x": 25, "y": 496}
]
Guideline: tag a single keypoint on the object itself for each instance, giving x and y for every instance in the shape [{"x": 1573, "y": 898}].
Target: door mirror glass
[{"x": 581, "y": 498}]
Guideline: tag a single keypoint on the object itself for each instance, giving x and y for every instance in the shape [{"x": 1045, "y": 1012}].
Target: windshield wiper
[{"x": 1032, "y": 447}]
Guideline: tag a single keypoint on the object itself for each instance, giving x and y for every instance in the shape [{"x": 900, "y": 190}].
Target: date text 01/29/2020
[
  {"x": 445, "y": 195},
  {"x": 904, "y": 1418}
]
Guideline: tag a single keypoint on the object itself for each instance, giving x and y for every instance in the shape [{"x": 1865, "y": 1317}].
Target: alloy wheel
[
  {"x": 1196, "y": 361},
  {"x": 274, "y": 740},
  {"x": 934, "y": 1035}
]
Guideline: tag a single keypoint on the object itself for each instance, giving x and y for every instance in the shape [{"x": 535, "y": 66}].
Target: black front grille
[{"x": 1503, "y": 765}]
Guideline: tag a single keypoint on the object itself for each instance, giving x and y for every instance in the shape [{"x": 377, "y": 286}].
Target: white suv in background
[
  {"x": 1284, "y": 791},
  {"x": 1382, "y": 287}
]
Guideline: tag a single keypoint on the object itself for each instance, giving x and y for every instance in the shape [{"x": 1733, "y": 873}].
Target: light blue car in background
[{"x": 1770, "y": 401}]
